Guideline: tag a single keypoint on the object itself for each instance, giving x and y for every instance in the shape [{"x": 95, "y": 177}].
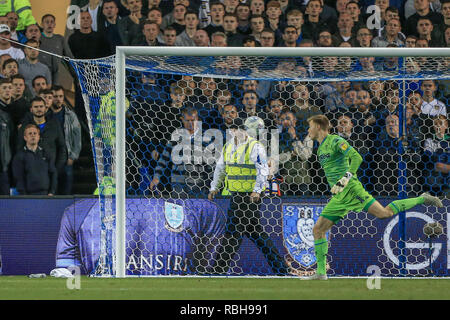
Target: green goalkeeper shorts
[{"x": 353, "y": 198}]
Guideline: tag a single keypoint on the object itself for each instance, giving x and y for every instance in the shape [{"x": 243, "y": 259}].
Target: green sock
[
  {"x": 405, "y": 204},
  {"x": 321, "y": 250}
]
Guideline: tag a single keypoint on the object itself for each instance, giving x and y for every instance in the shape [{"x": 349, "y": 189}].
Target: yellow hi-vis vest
[
  {"x": 23, "y": 10},
  {"x": 240, "y": 170}
]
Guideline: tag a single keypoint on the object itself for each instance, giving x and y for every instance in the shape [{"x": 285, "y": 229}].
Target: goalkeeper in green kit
[{"x": 340, "y": 162}]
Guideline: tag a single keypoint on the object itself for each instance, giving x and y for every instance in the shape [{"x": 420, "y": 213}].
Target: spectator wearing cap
[
  {"x": 5, "y": 45},
  {"x": 30, "y": 67}
]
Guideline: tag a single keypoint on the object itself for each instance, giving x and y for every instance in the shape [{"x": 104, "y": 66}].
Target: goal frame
[{"x": 123, "y": 51}]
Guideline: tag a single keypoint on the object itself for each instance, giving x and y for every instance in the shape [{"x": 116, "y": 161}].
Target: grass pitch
[{"x": 23, "y": 288}]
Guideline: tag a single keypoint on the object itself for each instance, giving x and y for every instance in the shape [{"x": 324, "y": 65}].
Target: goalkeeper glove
[{"x": 340, "y": 185}]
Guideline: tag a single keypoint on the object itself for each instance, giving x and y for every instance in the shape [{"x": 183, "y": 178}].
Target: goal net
[{"x": 160, "y": 119}]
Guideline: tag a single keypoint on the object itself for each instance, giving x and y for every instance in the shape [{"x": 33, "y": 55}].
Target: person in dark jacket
[
  {"x": 33, "y": 170},
  {"x": 51, "y": 134},
  {"x": 6, "y": 129}
]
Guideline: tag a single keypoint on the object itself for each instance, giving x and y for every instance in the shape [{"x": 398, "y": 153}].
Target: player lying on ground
[{"x": 334, "y": 154}]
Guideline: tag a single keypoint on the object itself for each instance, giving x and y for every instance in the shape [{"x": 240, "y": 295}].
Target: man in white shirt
[
  {"x": 5, "y": 45},
  {"x": 430, "y": 105}
]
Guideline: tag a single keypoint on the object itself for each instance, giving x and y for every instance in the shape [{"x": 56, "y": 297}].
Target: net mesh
[{"x": 393, "y": 111}]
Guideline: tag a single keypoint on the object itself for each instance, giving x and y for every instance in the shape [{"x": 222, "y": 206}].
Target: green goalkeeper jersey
[{"x": 333, "y": 157}]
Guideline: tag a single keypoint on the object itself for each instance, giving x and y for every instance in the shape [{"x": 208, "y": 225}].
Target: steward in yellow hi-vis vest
[
  {"x": 23, "y": 10},
  {"x": 105, "y": 132},
  {"x": 242, "y": 168},
  {"x": 105, "y": 127}
]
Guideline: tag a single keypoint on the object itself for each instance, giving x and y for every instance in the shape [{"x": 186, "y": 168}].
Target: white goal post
[{"x": 123, "y": 52}]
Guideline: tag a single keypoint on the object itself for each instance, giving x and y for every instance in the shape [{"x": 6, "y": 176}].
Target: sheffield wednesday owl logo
[
  {"x": 298, "y": 223},
  {"x": 174, "y": 215}
]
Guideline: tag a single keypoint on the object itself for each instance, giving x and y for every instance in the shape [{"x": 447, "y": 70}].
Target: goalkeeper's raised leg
[{"x": 340, "y": 161}]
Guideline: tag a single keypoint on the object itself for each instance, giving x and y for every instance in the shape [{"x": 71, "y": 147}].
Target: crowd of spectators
[
  {"x": 40, "y": 133},
  {"x": 365, "y": 113}
]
